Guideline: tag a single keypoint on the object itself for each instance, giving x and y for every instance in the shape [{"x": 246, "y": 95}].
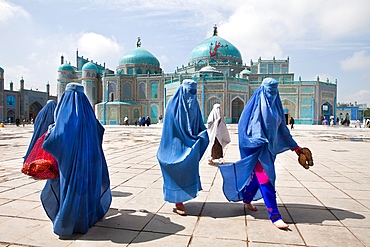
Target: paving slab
[{"x": 327, "y": 205}]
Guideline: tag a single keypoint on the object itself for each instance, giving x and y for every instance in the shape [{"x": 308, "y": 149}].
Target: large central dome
[
  {"x": 139, "y": 56},
  {"x": 217, "y": 48}
]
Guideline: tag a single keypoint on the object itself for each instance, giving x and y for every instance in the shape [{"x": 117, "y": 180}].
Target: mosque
[
  {"x": 139, "y": 88},
  {"x": 23, "y": 104}
]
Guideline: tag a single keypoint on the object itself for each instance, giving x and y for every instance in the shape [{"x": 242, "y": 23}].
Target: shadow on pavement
[
  {"x": 120, "y": 194},
  {"x": 125, "y": 226},
  {"x": 300, "y": 213}
]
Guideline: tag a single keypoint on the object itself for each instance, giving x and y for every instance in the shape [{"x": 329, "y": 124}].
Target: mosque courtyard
[{"x": 327, "y": 205}]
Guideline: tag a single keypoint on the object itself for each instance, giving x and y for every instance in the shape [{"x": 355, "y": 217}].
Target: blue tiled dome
[
  {"x": 89, "y": 66},
  {"x": 139, "y": 56},
  {"x": 1, "y": 69},
  {"x": 66, "y": 67},
  {"x": 206, "y": 49}
]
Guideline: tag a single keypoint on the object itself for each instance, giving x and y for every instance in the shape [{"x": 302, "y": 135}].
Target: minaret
[
  {"x": 48, "y": 88},
  {"x": 2, "y": 96},
  {"x": 1, "y": 79},
  {"x": 11, "y": 85},
  {"x": 66, "y": 74},
  {"x": 22, "y": 84},
  {"x": 89, "y": 80}
]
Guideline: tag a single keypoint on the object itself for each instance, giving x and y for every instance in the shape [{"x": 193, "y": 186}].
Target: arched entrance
[
  {"x": 34, "y": 109},
  {"x": 210, "y": 103},
  {"x": 289, "y": 109},
  {"x": 326, "y": 112},
  {"x": 237, "y": 106},
  {"x": 10, "y": 116}
]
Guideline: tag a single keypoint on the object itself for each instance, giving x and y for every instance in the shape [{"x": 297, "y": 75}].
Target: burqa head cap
[
  {"x": 189, "y": 86},
  {"x": 76, "y": 87},
  {"x": 270, "y": 87},
  {"x": 270, "y": 83}
]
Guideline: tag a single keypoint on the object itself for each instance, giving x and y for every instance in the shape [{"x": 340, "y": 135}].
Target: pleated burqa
[
  {"x": 184, "y": 141},
  {"x": 263, "y": 134},
  {"x": 81, "y": 196}
]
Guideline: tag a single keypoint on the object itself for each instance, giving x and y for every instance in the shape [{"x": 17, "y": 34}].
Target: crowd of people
[{"x": 80, "y": 196}]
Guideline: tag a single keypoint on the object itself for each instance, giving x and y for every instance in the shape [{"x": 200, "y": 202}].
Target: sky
[{"x": 329, "y": 39}]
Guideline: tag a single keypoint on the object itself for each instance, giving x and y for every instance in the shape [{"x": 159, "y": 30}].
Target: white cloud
[
  {"x": 359, "y": 60},
  {"x": 267, "y": 28},
  {"x": 98, "y": 47},
  {"x": 9, "y": 11},
  {"x": 360, "y": 96}
]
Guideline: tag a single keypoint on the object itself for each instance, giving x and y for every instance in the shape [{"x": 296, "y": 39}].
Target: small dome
[
  {"x": 66, "y": 67},
  {"x": 215, "y": 47},
  {"x": 246, "y": 72},
  {"x": 208, "y": 69},
  {"x": 1, "y": 69},
  {"x": 89, "y": 66},
  {"x": 139, "y": 56}
]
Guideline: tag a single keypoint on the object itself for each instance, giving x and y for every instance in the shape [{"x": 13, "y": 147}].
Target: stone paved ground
[{"x": 328, "y": 205}]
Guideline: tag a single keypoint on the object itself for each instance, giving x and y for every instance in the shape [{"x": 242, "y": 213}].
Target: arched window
[
  {"x": 142, "y": 94},
  {"x": 87, "y": 74},
  {"x": 130, "y": 71},
  {"x": 127, "y": 91},
  {"x": 212, "y": 62},
  {"x": 154, "y": 111},
  {"x": 93, "y": 93},
  {"x": 154, "y": 90},
  {"x": 139, "y": 71},
  {"x": 148, "y": 72},
  {"x": 210, "y": 104},
  {"x": 111, "y": 97},
  {"x": 136, "y": 114}
]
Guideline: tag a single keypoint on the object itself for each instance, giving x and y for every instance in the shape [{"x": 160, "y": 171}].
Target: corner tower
[
  {"x": 89, "y": 80},
  {"x": 66, "y": 74}
]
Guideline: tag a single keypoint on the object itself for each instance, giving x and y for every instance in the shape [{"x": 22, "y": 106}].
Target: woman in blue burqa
[
  {"x": 184, "y": 141},
  {"x": 81, "y": 195},
  {"x": 43, "y": 119},
  {"x": 262, "y": 135}
]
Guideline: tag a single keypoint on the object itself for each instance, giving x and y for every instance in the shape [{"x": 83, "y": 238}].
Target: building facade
[
  {"x": 139, "y": 88},
  {"x": 23, "y": 104}
]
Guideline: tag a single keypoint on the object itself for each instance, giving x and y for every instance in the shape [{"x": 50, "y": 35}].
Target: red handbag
[{"x": 39, "y": 163}]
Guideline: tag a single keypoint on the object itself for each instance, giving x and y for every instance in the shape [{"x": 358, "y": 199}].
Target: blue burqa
[
  {"x": 263, "y": 134},
  {"x": 81, "y": 195},
  {"x": 184, "y": 141},
  {"x": 43, "y": 119}
]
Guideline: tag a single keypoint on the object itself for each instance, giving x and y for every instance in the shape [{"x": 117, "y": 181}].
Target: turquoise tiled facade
[{"x": 139, "y": 88}]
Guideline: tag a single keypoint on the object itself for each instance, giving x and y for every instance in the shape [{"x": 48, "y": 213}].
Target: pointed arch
[{"x": 237, "y": 106}]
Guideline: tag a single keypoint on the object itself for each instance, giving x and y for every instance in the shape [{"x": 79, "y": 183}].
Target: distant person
[
  {"x": 81, "y": 196},
  {"x": 358, "y": 124},
  {"x": 125, "y": 120},
  {"x": 142, "y": 121},
  {"x": 160, "y": 119},
  {"x": 291, "y": 122},
  {"x": 262, "y": 135},
  {"x": 183, "y": 143},
  {"x": 218, "y": 134},
  {"x": 147, "y": 121},
  {"x": 331, "y": 121}
]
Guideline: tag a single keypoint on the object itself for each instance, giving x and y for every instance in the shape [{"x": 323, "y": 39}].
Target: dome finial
[
  {"x": 138, "y": 43},
  {"x": 215, "y": 33}
]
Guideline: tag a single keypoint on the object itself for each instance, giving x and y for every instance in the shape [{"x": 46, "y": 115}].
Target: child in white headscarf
[{"x": 218, "y": 135}]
